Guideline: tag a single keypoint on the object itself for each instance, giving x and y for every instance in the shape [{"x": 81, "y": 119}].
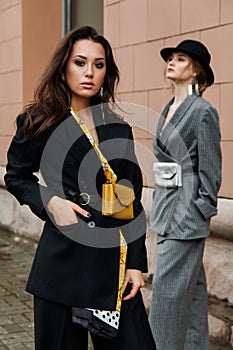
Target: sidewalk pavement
[
  {"x": 16, "y": 313},
  {"x": 16, "y": 306}
]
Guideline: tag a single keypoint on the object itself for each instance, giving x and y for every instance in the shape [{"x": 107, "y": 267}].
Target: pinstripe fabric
[
  {"x": 192, "y": 138},
  {"x": 181, "y": 219},
  {"x": 178, "y": 312}
]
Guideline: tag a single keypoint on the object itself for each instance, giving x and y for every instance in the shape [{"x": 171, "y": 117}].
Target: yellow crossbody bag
[{"x": 117, "y": 199}]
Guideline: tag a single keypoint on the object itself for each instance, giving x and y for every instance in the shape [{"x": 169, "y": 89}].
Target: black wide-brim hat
[{"x": 197, "y": 51}]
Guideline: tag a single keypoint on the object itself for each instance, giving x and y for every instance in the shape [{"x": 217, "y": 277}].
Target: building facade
[{"x": 137, "y": 30}]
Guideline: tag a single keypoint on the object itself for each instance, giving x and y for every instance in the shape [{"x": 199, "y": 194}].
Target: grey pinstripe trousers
[{"x": 179, "y": 307}]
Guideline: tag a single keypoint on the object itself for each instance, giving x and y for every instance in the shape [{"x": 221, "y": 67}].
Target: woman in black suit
[{"x": 77, "y": 271}]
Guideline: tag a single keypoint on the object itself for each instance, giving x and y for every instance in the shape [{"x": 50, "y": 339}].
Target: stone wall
[{"x": 217, "y": 258}]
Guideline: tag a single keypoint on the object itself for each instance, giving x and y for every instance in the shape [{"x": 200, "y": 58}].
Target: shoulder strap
[{"x": 108, "y": 172}]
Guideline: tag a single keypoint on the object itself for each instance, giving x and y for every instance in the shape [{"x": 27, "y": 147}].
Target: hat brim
[{"x": 168, "y": 51}]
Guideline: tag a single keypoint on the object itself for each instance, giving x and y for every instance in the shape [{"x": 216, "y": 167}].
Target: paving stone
[
  {"x": 2, "y": 330},
  {"x": 12, "y": 328},
  {"x": 10, "y": 339},
  {"x": 3, "y": 347}
]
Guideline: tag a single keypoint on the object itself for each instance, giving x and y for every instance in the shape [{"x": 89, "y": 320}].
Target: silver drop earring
[
  {"x": 102, "y": 105},
  {"x": 197, "y": 89},
  {"x": 193, "y": 89},
  {"x": 190, "y": 89},
  {"x": 101, "y": 92}
]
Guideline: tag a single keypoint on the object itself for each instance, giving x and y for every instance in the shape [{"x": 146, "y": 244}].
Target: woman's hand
[
  {"x": 64, "y": 211},
  {"x": 134, "y": 277}
]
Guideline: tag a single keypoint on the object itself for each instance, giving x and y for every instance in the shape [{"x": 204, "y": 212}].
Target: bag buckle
[{"x": 86, "y": 198}]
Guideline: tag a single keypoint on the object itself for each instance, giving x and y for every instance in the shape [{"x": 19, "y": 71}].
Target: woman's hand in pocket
[{"x": 64, "y": 211}]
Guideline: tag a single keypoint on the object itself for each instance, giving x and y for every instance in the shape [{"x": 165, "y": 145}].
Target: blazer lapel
[
  {"x": 176, "y": 117},
  {"x": 161, "y": 119},
  {"x": 162, "y": 135}
]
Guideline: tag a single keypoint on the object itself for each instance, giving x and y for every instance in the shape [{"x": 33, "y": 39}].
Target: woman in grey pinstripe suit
[{"x": 188, "y": 136}]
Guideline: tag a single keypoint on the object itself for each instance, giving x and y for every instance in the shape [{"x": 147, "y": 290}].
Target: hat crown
[{"x": 195, "y": 49}]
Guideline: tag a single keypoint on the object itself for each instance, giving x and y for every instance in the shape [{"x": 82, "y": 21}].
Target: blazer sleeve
[
  {"x": 23, "y": 161},
  {"x": 209, "y": 162},
  {"x": 137, "y": 254}
]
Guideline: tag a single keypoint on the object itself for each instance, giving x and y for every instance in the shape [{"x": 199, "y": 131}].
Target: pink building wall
[
  {"x": 10, "y": 70},
  {"x": 29, "y": 31},
  {"x": 139, "y": 29}
]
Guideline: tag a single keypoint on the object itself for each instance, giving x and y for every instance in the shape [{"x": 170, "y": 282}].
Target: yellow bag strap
[
  {"x": 110, "y": 178},
  {"x": 108, "y": 172}
]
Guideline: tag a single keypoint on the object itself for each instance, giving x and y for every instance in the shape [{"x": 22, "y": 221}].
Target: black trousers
[{"x": 54, "y": 329}]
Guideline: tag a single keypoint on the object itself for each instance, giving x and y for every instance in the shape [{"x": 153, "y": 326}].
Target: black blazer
[{"x": 78, "y": 264}]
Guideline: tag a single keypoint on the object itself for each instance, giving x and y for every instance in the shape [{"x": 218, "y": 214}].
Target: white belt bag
[{"x": 167, "y": 174}]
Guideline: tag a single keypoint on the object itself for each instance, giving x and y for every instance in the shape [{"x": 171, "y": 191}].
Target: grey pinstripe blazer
[{"x": 191, "y": 138}]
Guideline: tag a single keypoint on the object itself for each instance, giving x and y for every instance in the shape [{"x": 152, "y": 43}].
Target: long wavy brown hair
[{"x": 52, "y": 96}]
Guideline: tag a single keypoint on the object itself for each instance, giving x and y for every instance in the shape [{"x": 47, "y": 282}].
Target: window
[
  {"x": 77, "y": 13},
  {"x": 67, "y": 20}
]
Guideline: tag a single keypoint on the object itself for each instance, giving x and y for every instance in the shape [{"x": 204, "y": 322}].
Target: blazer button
[{"x": 91, "y": 224}]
